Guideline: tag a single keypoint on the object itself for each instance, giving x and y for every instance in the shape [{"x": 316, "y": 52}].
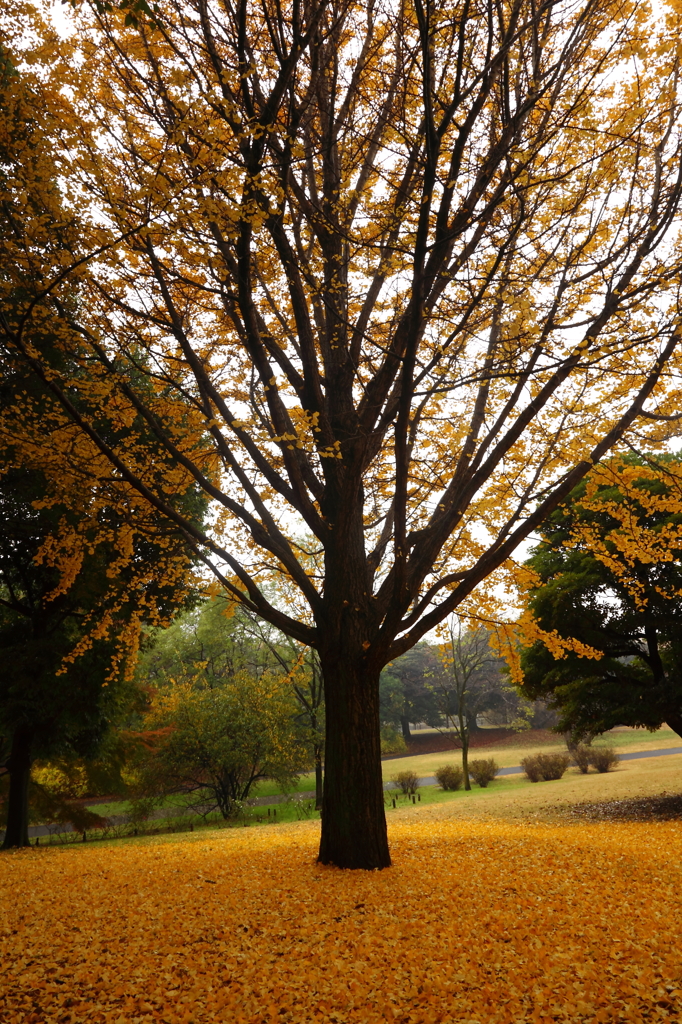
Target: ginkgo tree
[{"x": 412, "y": 269}]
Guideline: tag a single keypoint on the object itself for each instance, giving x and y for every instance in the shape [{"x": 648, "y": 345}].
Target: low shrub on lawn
[
  {"x": 544, "y": 767},
  {"x": 449, "y": 776},
  {"x": 407, "y": 781},
  {"x": 582, "y": 756},
  {"x": 483, "y": 772},
  {"x": 604, "y": 759}
]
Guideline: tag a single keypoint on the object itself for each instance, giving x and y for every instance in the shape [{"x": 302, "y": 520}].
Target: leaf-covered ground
[{"x": 477, "y": 921}]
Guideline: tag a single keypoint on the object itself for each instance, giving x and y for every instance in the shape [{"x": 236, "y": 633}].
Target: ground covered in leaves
[
  {"x": 666, "y": 807},
  {"x": 477, "y": 921}
]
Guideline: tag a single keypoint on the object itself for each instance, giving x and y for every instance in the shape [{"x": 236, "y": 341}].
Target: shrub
[
  {"x": 449, "y": 776},
  {"x": 532, "y": 768},
  {"x": 483, "y": 772},
  {"x": 407, "y": 781},
  {"x": 545, "y": 766},
  {"x": 392, "y": 742},
  {"x": 553, "y": 766},
  {"x": 582, "y": 757},
  {"x": 604, "y": 759}
]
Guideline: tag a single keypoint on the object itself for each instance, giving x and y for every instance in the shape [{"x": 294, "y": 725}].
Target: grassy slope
[
  {"x": 509, "y": 754},
  {"x": 515, "y": 797},
  {"x": 510, "y": 797},
  {"x": 426, "y": 764}
]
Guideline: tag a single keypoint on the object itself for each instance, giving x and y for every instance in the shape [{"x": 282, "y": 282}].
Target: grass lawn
[
  {"x": 507, "y": 754},
  {"x": 497, "y": 910},
  {"x": 265, "y": 788},
  {"x": 520, "y": 745}
]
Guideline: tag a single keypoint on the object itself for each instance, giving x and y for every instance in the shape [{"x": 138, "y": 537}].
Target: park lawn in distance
[
  {"x": 520, "y": 745},
  {"x": 479, "y": 920}
]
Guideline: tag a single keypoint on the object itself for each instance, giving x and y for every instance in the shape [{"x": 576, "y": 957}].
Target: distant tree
[
  {"x": 404, "y": 689},
  {"x": 210, "y": 642},
  {"x": 216, "y": 641},
  {"x": 218, "y": 740},
  {"x": 302, "y": 666},
  {"x": 605, "y": 612},
  {"x": 467, "y": 681}
]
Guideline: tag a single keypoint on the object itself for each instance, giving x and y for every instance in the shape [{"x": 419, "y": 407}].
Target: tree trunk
[
  {"x": 318, "y": 776},
  {"x": 405, "y": 726},
  {"x": 464, "y": 739},
  {"x": 675, "y": 723},
  {"x": 353, "y": 818},
  {"x": 19, "y": 768}
]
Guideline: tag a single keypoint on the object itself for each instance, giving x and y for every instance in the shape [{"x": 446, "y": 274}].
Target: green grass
[
  {"x": 638, "y": 739},
  {"x": 265, "y": 788},
  {"x": 506, "y": 754},
  {"x": 512, "y": 797}
]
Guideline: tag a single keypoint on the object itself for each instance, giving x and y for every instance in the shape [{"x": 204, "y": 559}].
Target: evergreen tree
[{"x": 607, "y": 603}]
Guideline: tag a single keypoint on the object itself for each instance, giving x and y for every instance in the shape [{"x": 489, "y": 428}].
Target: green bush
[
  {"x": 604, "y": 759},
  {"x": 407, "y": 781},
  {"x": 392, "y": 741},
  {"x": 545, "y": 766},
  {"x": 582, "y": 757},
  {"x": 483, "y": 772},
  {"x": 449, "y": 776}
]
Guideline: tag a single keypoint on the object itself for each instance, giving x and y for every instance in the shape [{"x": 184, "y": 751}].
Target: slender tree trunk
[
  {"x": 353, "y": 818},
  {"x": 405, "y": 726},
  {"x": 318, "y": 776},
  {"x": 464, "y": 738},
  {"x": 19, "y": 767}
]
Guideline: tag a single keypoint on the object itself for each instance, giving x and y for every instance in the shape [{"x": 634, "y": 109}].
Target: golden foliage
[{"x": 562, "y": 923}]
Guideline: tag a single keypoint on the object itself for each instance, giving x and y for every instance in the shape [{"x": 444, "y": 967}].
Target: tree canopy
[
  {"x": 605, "y": 604},
  {"x": 217, "y": 741},
  {"x": 77, "y": 580},
  {"x": 391, "y": 276}
]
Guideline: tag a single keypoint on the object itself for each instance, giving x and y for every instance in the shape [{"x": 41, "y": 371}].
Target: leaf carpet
[{"x": 476, "y": 922}]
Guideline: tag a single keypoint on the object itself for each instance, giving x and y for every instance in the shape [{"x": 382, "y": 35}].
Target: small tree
[
  {"x": 465, "y": 659},
  {"x": 302, "y": 666},
  {"x": 220, "y": 741}
]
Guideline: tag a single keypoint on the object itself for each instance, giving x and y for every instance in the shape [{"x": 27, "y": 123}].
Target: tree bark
[
  {"x": 675, "y": 722},
  {"x": 318, "y": 776},
  {"x": 464, "y": 739},
  {"x": 19, "y": 768},
  {"x": 353, "y": 818},
  {"x": 405, "y": 726}
]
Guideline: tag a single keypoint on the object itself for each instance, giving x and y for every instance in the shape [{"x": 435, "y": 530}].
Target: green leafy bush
[
  {"x": 545, "y": 767},
  {"x": 482, "y": 771},
  {"x": 407, "y": 781},
  {"x": 392, "y": 742},
  {"x": 218, "y": 743},
  {"x": 449, "y": 776},
  {"x": 604, "y": 759},
  {"x": 582, "y": 757}
]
